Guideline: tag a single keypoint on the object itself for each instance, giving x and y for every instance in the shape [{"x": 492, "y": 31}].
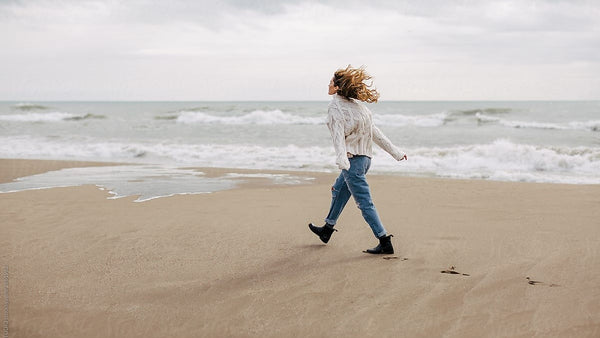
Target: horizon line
[{"x": 380, "y": 101}]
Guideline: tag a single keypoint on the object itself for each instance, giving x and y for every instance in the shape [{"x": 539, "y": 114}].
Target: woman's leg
[
  {"x": 339, "y": 197},
  {"x": 359, "y": 188}
]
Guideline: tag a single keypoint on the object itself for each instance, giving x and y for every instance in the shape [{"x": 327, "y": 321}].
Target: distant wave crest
[
  {"x": 593, "y": 125},
  {"x": 492, "y": 111},
  {"x": 277, "y": 117},
  {"x": 29, "y": 106},
  {"x": 265, "y": 117},
  {"x": 48, "y": 117},
  {"x": 397, "y": 120}
]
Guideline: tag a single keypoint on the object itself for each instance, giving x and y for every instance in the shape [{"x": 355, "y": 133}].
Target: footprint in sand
[
  {"x": 452, "y": 271},
  {"x": 395, "y": 257},
  {"x": 536, "y": 282}
]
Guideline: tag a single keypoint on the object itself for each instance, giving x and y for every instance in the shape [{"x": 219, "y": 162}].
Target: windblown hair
[{"x": 351, "y": 84}]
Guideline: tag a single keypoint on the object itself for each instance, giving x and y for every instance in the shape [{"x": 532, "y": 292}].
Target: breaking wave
[
  {"x": 29, "y": 106},
  {"x": 397, "y": 120},
  {"x": 492, "y": 111},
  {"x": 501, "y": 159},
  {"x": 265, "y": 117},
  {"x": 593, "y": 125},
  {"x": 277, "y": 117},
  {"x": 48, "y": 117}
]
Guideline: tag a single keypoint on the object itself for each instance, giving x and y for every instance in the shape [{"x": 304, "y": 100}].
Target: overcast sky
[{"x": 288, "y": 50}]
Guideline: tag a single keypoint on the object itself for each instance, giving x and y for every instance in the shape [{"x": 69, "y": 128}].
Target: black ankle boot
[
  {"x": 384, "y": 247},
  {"x": 323, "y": 232}
]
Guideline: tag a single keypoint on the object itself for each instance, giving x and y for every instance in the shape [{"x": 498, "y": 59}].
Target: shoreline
[
  {"x": 190, "y": 180},
  {"x": 13, "y": 168},
  {"x": 242, "y": 262}
]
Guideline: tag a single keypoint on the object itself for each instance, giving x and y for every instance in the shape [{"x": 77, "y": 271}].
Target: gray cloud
[{"x": 90, "y": 44}]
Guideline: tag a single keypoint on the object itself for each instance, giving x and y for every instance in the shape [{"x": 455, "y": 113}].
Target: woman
[{"x": 353, "y": 132}]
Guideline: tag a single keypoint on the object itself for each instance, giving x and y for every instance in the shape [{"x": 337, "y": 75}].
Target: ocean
[{"x": 529, "y": 141}]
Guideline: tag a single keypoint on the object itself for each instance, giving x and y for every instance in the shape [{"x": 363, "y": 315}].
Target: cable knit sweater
[{"x": 353, "y": 132}]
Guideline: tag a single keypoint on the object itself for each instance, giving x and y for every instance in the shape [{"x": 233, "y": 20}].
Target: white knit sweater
[{"x": 352, "y": 130}]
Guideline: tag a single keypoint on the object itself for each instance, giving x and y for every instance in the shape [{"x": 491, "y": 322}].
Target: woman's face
[{"x": 332, "y": 88}]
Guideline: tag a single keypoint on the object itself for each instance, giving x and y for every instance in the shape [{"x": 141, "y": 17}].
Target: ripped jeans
[{"x": 353, "y": 182}]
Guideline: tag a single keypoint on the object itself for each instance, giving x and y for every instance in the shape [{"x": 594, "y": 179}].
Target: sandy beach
[{"x": 525, "y": 259}]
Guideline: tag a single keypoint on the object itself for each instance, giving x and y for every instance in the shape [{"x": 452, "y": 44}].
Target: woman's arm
[{"x": 381, "y": 140}]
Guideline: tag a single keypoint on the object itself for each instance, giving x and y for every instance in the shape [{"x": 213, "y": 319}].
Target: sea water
[{"x": 530, "y": 141}]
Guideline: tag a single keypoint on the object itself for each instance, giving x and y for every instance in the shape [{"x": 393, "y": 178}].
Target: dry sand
[{"x": 242, "y": 263}]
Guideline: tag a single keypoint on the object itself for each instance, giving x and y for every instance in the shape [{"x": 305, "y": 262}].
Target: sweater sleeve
[
  {"x": 381, "y": 140},
  {"x": 335, "y": 122}
]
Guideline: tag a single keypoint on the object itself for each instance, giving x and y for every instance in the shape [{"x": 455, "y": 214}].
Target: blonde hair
[{"x": 351, "y": 84}]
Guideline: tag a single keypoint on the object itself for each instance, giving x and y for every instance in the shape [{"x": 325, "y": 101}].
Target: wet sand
[{"x": 473, "y": 259}]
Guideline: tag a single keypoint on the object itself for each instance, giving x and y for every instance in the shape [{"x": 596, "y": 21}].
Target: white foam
[
  {"x": 274, "y": 117},
  {"x": 501, "y": 159},
  {"x": 39, "y": 117},
  {"x": 398, "y": 120},
  {"x": 592, "y": 125},
  {"x": 210, "y": 155},
  {"x": 265, "y": 117}
]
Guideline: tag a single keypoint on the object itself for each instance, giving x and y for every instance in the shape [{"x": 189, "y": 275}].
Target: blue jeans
[{"x": 353, "y": 182}]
